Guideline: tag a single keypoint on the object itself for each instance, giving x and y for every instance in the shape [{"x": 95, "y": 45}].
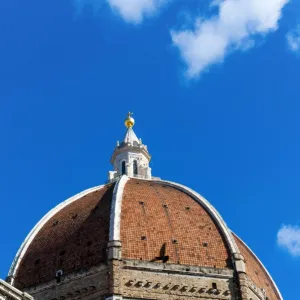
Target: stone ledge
[
  {"x": 68, "y": 278},
  {"x": 8, "y": 290},
  {"x": 177, "y": 269}
]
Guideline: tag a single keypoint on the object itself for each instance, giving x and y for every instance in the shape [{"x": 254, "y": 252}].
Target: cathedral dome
[{"x": 144, "y": 223}]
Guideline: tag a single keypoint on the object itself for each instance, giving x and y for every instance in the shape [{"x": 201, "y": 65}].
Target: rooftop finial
[{"x": 129, "y": 121}]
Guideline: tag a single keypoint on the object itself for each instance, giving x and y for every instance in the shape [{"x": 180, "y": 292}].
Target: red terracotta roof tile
[
  {"x": 75, "y": 238},
  {"x": 256, "y": 271},
  {"x": 153, "y": 215}
]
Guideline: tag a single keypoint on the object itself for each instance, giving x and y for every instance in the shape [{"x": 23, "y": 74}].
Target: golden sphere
[{"x": 129, "y": 121}]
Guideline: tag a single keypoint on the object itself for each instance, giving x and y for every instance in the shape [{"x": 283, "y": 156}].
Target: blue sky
[{"x": 214, "y": 90}]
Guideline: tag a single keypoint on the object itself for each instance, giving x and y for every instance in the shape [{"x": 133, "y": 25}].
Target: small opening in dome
[
  {"x": 55, "y": 223},
  {"x": 143, "y": 238},
  {"x": 37, "y": 262},
  {"x": 74, "y": 216},
  {"x": 214, "y": 285},
  {"x": 89, "y": 243},
  {"x": 165, "y": 205},
  {"x": 58, "y": 276},
  {"x": 141, "y": 202},
  {"x": 175, "y": 242},
  {"x": 205, "y": 244},
  {"x": 187, "y": 208},
  {"x": 63, "y": 252}
]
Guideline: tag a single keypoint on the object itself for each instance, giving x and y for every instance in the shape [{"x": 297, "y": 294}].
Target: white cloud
[
  {"x": 234, "y": 28},
  {"x": 132, "y": 11},
  {"x": 135, "y": 10},
  {"x": 293, "y": 40},
  {"x": 288, "y": 237}
]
